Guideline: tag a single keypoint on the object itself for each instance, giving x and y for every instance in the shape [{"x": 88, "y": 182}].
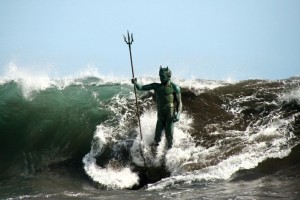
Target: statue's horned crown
[{"x": 165, "y": 70}]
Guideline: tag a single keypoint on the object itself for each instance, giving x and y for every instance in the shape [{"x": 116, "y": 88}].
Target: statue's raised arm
[{"x": 142, "y": 87}]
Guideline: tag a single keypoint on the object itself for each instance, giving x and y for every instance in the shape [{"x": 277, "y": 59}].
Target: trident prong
[{"x": 129, "y": 39}]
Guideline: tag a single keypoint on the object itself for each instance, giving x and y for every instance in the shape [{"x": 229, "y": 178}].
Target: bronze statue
[{"x": 169, "y": 105}]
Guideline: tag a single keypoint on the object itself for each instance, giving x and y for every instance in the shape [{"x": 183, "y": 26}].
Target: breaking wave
[{"x": 89, "y": 122}]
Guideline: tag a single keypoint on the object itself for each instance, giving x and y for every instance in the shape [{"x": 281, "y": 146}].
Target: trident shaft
[{"x": 129, "y": 41}]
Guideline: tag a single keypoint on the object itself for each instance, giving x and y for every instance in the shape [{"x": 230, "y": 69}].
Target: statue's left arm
[{"x": 178, "y": 104}]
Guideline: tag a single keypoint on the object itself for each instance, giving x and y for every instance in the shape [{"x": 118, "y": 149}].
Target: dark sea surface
[{"x": 77, "y": 138}]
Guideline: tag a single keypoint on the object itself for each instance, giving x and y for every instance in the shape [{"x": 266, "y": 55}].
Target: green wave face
[{"x": 52, "y": 125}]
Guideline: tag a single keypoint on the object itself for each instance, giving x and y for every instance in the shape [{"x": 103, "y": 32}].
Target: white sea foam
[
  {"x": 119, "y": 177},
  {"x": 199, "y": 86},
  {"x": 29, "y": 81},
  {"x": 264, "y": 139},
  {"x": 268, "y": 137},
  {"x": 110, "y": 177},
  {"x": 122, "y": 176},
  {"x": 35, "y": 81},
  {"x": 267, "y": 141},
  {"x": 290, "y": 96}
]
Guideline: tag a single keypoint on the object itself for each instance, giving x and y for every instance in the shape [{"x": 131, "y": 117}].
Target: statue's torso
[{"x": 164, "y": 97}]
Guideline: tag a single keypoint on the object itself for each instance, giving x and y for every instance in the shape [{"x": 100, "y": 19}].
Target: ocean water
[{"x": 77, "y": 138}]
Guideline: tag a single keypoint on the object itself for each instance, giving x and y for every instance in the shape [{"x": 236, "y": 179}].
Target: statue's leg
[
  {"x": 169, "y": 133},
  {"x": 170, "y": 128},
  {"x": 158, "y": 130}
]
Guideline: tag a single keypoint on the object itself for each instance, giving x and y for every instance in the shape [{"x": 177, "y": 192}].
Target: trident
[{"x": 129, "y": 41}]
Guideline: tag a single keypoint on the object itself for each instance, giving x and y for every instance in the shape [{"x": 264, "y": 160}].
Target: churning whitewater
[{"x": 89, "y": 122}]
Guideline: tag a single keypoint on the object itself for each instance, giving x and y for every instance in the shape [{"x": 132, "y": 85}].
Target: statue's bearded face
[{"x": 164, "y": 75}]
